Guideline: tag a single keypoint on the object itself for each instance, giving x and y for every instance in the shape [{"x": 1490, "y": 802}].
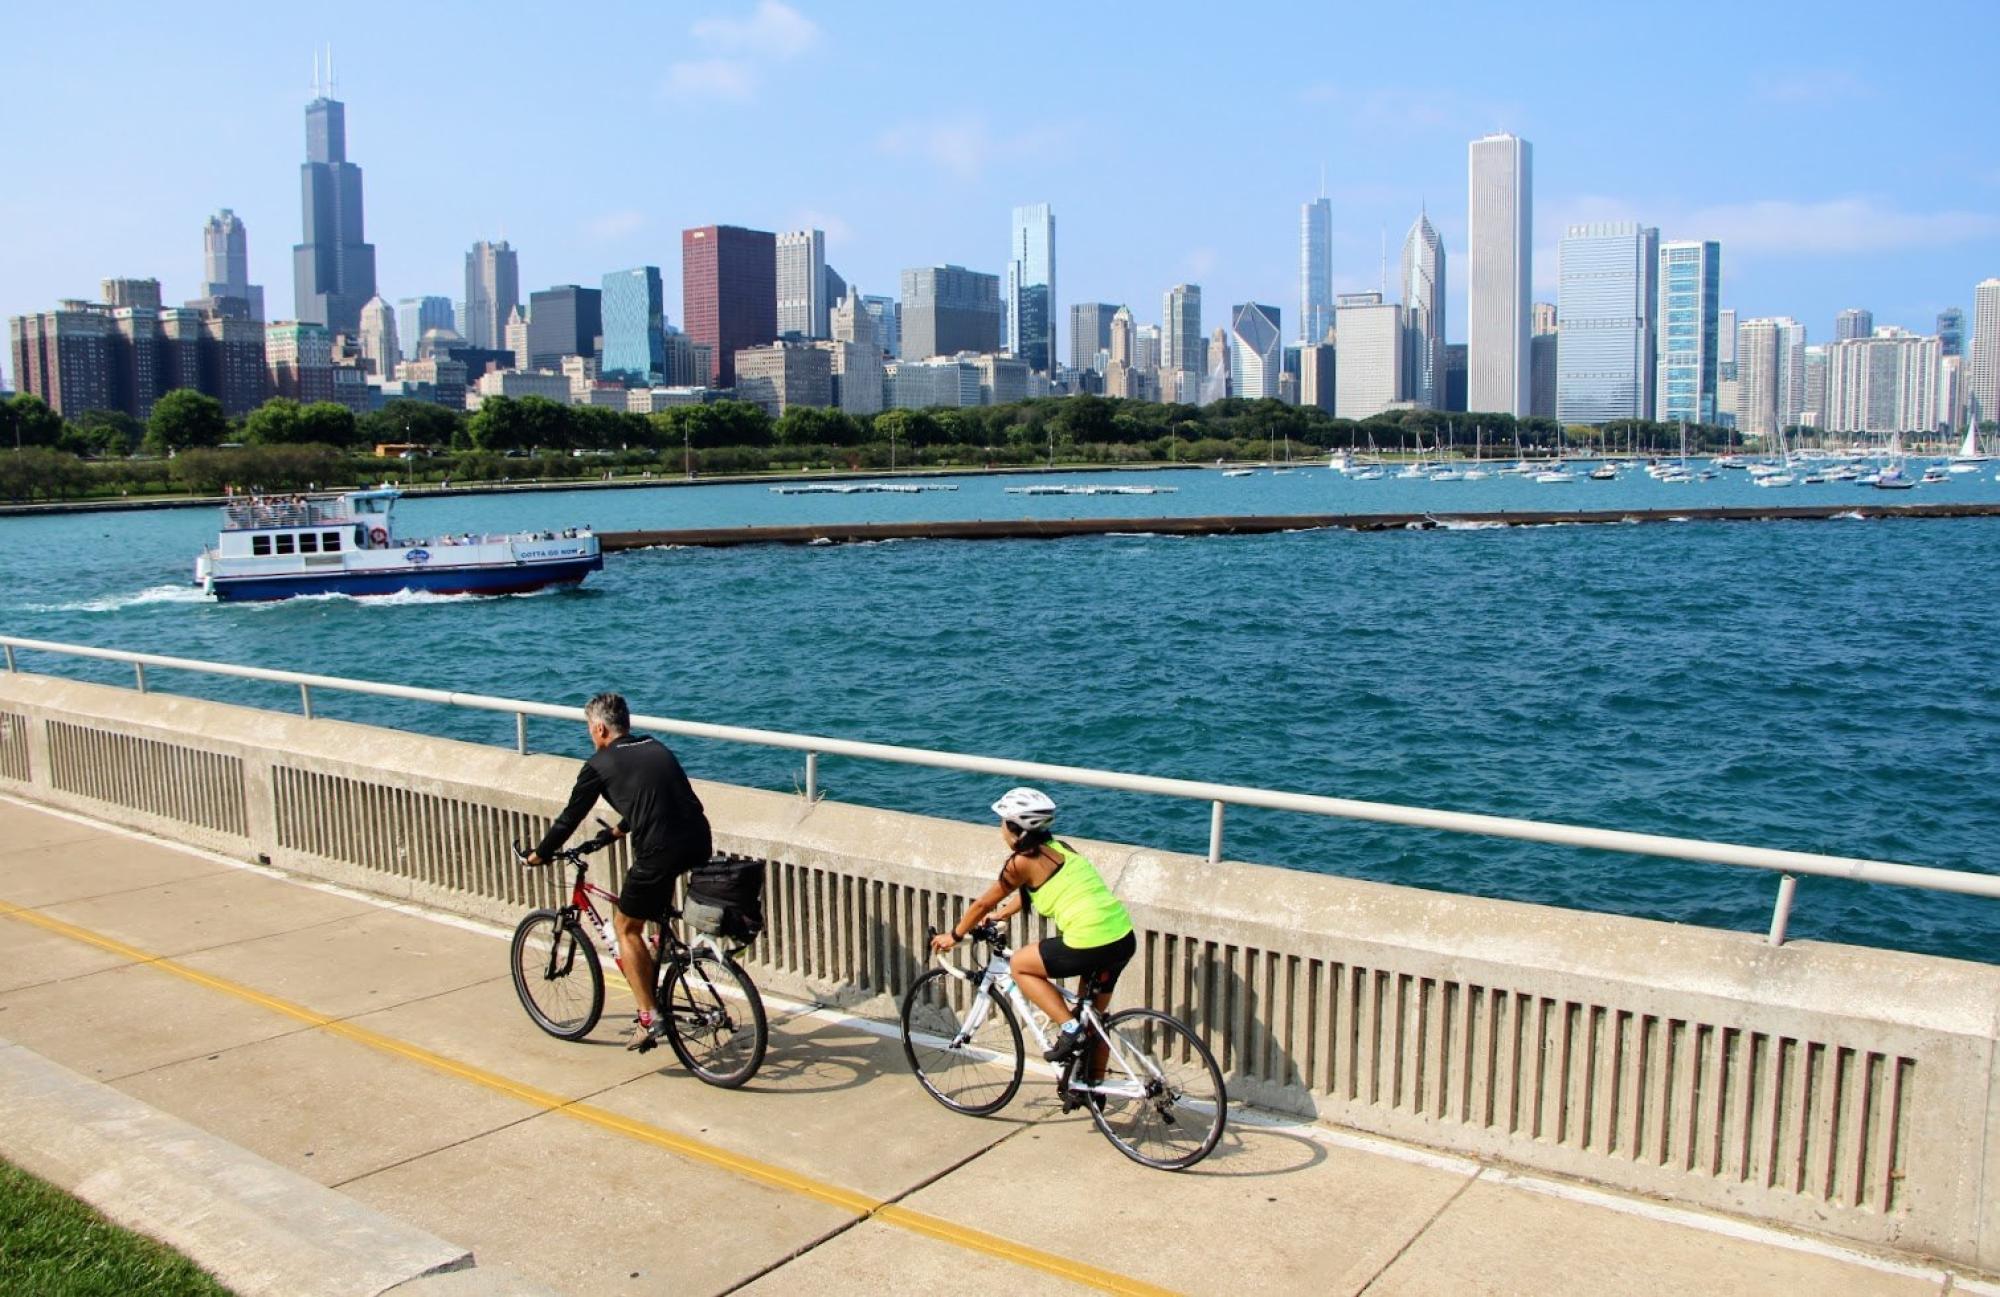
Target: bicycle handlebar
[
  {"x": 989, "y": 932},
  {"x": 570, "y": 855}
]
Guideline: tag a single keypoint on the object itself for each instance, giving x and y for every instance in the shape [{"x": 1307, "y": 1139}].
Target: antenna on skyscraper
[
  {"x": 315, "y": 82},
  {"x": 330, "y": 89},
  {"x": 1322, "y": 179},
  {"x": 1385, "y": 263}
]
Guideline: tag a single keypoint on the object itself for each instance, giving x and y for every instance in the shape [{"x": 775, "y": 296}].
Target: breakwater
[{"x": 1228, "y": 525}]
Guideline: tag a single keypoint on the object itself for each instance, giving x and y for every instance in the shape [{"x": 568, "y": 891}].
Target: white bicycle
[{"x": 1147, "y": 1081}]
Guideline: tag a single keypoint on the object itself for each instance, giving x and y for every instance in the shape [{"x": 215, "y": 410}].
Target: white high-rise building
[
  {"x": 1791, "y": 371},
  {"x": 1499, "y": 229},
  {"x": 1982, "y": 375},
  {"x": 1256, "y": 351},
  {"x": 1181, "y": 344},
  {"x": 1315, "y": 269},
  {"x": 1882, "y": 384},
  {"x": 1770, "y": 375},
  {"x": 801, "y": 280},
  {"x": 492, "y": 292},
  {"x": 378, "y": 338},
  {"x": 1607, "y": 301},
  {"x": 1423, "y": 315},
  {"x": 1373, "y": 334}
]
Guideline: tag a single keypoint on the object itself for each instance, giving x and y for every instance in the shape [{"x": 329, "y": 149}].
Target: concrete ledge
[{"x": 254, "y": 1225}]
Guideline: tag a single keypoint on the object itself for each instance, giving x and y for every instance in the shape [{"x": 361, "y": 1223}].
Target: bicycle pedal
[{"x": 648, "y": 1044}]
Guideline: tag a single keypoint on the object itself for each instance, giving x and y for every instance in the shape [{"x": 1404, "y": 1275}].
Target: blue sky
[{"x": 1844, "y": 154}]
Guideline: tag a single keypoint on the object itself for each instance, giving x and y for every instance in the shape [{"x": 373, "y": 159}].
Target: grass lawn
[{"x": 54, "y": 1246}]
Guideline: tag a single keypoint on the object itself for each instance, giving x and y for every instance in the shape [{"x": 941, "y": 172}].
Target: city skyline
[{"x": 1901, "y": 232}]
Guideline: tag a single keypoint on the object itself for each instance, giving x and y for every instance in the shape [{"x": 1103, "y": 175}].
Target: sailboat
[
  {"x": 1968, "y": 459},
  {"x": 1286, "y": 467},
  {"x": 1892, "y": 477}
]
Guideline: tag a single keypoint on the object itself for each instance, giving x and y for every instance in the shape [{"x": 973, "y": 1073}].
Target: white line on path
[{"x": 1722, "y": 1226}]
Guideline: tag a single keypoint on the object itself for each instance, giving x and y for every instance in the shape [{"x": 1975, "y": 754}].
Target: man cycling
[
  {"x": 644, "y": 782},
  {"x": 1093, "y": 931}
]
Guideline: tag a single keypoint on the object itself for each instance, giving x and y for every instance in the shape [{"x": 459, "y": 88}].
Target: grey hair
[{"x": 610, "y": 711}]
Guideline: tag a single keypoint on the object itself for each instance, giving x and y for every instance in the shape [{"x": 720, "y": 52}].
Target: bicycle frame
[
  {"x": 668, "y": 947},
  {"x": 998, "y": 972}
]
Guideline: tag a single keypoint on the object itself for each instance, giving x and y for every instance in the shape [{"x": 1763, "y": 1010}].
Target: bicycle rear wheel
[
  {"x": 715, "y": 1019},
  {"x": 1162, "y": 1101},
  {"x": 965, "y": 1048},
  {"x": 557, "y": 975}
]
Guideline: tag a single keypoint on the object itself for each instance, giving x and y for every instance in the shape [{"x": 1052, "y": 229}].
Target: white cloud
[
  {"x": 615, "y": 225},
  {"x": 837, "y": 230},
  {"x": 1813, "y": 86},
  {"x": 1840, "y": 225},
  {"x": 959, "y": 147},
  {"x": 1200, "y": 262},
  {"x": 729, "y": 79},
  {"x": 1373, "y": 110},
  {"x": 772, "y": 29}
]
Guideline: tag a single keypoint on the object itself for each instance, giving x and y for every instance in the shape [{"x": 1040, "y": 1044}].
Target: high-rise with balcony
[
  {"x": 949, "y": 309},
  {"x": 492, "y": 291},
  {"x": 225, "y": 262},
  {"x": 1031, "y": 287},
  {"x": 802, "y": 283},
  {"x": 729, "y": 296},
  {"x": 1423, "y": 314},
  {"x": 1854, "y": 322},
  {"x": 333, "y": 267},
  {"x": 1982, "y": 373},
  {"x": 635, "y": 327},
  {"x": 1770, "y": 375},
  {"x": 1315, "y": 269},
  {"x": 1883, "y": 383},
  {"x": 1256, "y": 350},
  {"x": 1686, "y": 338},
  {"x": 1499, "y": 227},
  {"x": 1607, "y": 301}
]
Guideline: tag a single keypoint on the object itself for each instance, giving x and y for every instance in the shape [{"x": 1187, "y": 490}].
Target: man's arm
[{"x": 589, "y": 787}]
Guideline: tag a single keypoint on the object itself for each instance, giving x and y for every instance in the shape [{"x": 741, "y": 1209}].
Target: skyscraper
[
  {"x": 1690, "y": 286},
  {"x": 729, "y": 294},
  {"x": 1499, "y": 225},
  {"x": 333, "y": 267},
  {"x": 1089, "y": 333},
  {"x": 635, "y": 322},
  {"x": 1883, "y": 384},
  {"x": 380, "y": 350},
  {"x": 1951, "y": 331},
  {"x": 416, "y": 316},
  {"x": 1982, "y": 375},
  {"x": 1770, "y": 375},
  {"x": 1423, "y": 315},
  {"x": 1315, "y": 269},
  {"x": 225, "y": 262},
  {"x": 1606, "y": 305},
  {"x": 1256, "y": 350},
  {"x": 1373, "y": 335},
  {"x": 886, "y": 313},
  {"x": 1854, "y": 322},
  {"x": 1181, "y": 345},
  {"x": 949, "y": 309},
  {"x": 1031, "y": 287},
  {"x": 492, "y": 291},
  {"x": 563, "y": 321},
  {"x": 1119, "y": 377},
  {"x": 802, "y": 283}
]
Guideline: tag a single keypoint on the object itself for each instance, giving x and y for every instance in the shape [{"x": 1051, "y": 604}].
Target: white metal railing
[{"x": 1788, "y": 864}]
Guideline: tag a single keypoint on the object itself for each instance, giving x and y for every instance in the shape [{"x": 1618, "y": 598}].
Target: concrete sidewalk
[{"x": 381, "y": 1053}]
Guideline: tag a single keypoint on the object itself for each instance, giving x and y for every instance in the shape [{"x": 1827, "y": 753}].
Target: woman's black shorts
[{"x": 1109, "y": 959}]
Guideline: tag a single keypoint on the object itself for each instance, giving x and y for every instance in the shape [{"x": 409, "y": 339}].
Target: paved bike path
[{"x": 382, "y": 1053}]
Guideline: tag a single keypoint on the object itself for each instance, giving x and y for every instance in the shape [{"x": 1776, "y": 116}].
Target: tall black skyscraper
[{"x": 333, "y": 270}]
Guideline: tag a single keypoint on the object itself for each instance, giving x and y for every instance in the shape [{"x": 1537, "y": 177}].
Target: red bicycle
[{"x": 713, "y": 1016}]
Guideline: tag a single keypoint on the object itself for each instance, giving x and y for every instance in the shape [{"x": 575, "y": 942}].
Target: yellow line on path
[{"x": 749, "y": 1168}]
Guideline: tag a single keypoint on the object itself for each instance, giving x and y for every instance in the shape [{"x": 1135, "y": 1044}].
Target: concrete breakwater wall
[
  {"x": 1849, "y": 1091},
  {"x": 1253, "y": 525}
]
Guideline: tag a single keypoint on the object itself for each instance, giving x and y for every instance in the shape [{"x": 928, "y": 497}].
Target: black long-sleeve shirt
[{"x": 644, "y": 782}]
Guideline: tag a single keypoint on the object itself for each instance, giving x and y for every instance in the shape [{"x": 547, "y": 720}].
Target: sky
[{"x": 1844, "y": 154}]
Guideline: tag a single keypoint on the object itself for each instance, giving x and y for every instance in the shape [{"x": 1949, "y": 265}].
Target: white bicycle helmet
[{"x": 1025, "y": 807}]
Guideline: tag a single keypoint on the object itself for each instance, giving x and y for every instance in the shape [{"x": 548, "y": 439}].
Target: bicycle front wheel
[
  {"x": 1162, "y": 1101},
  {"x": 557, "y": 975},
  {"x": 715, "y": 1019},
  {"x": 964, "y": 1047}
]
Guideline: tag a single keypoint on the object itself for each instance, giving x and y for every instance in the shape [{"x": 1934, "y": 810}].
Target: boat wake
[
  {"x": 1467, "y": 524},
  {"x": 120, "y": 602}
]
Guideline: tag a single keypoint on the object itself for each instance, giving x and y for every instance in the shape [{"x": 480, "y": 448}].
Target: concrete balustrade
[{"x": 1849, "y": 1091}]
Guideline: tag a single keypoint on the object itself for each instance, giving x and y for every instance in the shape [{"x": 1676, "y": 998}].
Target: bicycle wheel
[
  {"x": 965, "y": 1049},
  {"x": 1162, "y": 1100},
  {"x": 715, "y": 1019},
  {"x": 557, "y": 975}
]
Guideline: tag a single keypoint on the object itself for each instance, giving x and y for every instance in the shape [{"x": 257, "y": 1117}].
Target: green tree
[
  {"x": 804, "y": 425},
  {"x": 404, "y": 420},
  {"x": 185, "y": 418},
  {"x": 27, "y": 420},
  {"x": 274, "y": 423},
  {"x": 106, "y": 433},
  {"x": 326, "y": 423}
]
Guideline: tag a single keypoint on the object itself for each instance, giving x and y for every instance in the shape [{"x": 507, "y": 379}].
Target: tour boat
[{"x": 275, "y": 547}]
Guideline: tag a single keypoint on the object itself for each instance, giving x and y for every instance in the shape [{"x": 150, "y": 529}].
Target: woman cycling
[{"x": 1093, "y": 931}]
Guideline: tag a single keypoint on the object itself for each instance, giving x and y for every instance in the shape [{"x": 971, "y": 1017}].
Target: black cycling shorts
[
  {"x": 648, "y": 892},
  {"x": 1109, "y": 959}
]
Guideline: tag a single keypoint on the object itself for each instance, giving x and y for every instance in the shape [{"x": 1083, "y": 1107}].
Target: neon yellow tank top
[{"x": 1077, "y": 902}]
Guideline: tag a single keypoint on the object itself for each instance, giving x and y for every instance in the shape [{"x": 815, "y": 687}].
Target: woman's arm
[{"x": 976, "y": 913}]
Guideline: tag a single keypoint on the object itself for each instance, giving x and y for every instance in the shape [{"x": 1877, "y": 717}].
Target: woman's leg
[{"x": 1033, "y": 976}]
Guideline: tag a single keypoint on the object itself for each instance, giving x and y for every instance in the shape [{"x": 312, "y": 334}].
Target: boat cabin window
[
  {"x": 329, "y": 542},
  {"x": 260, "y": 544},
  {"x": 284, "y": 539},
  {"x": 308, "y": 542}
]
